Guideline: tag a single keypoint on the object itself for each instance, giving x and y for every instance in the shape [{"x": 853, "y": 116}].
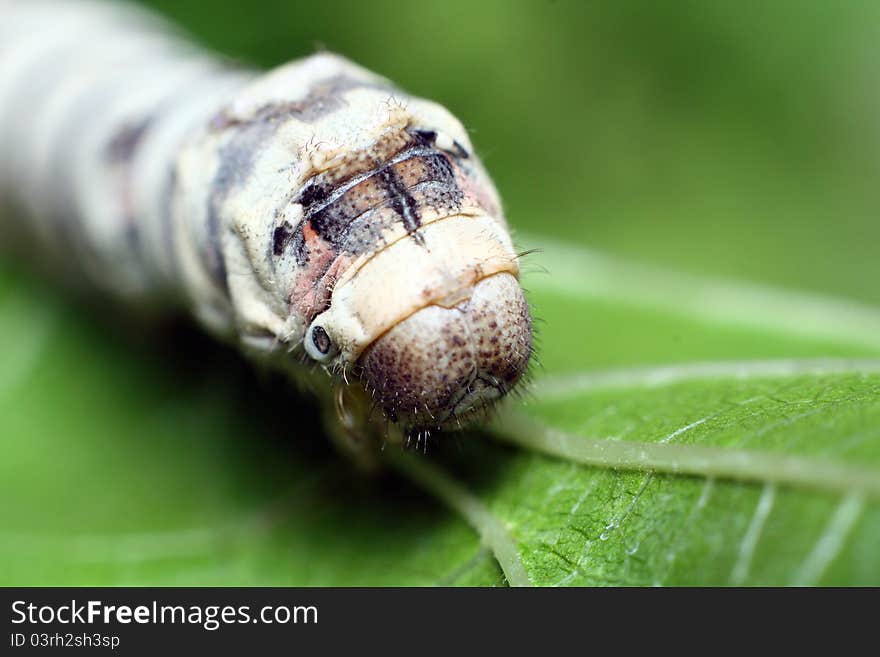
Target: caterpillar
[{"x": 326, "y": 222}]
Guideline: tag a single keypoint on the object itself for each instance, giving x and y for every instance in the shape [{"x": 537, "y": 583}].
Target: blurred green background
[
  {"x": 733, "y": 138},
  {"x": 737, "y": 140}
]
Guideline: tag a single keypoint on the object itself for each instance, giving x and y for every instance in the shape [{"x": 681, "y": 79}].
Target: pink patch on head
[{"x": 314, "y": 285}]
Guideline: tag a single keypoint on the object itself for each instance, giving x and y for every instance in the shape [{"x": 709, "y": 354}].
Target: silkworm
[{"x": 315, "y": 215}]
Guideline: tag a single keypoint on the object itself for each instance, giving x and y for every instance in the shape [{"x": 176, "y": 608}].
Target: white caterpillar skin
[{"x": 313, "y": 214}]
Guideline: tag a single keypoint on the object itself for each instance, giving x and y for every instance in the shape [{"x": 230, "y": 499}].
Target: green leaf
[
  {"x": 151, "y": 459},
  {"x": 783, "y": 456},
  {"x": 807, "y": 446},
  {"x": 128, "y": 469}
]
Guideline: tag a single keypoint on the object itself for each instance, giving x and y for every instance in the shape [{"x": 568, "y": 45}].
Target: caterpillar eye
[{"x": 318, "y": 344}]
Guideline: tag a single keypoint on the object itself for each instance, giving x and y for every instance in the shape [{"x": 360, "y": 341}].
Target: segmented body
[{"x": 314, "y": 214}]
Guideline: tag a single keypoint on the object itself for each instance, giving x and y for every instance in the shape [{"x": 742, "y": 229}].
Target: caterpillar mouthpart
[{"x": 442, "y": 367}]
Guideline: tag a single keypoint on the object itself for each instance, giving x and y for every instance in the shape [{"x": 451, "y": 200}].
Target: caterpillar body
[{"x": 320, "y": 218}]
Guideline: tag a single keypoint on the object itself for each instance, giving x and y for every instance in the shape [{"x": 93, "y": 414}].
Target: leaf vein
[
  {"x": 753, "y": 535},
  {"x": 831, "y": 541}
]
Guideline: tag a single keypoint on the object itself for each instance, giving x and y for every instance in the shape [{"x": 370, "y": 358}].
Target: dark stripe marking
[
  {"x": 332, "y": 214},
  {"x": 281, "y": 237},
  {"x": 402, "y": 203},
  {"x": 324, "y": 98},
  {"x": 124, "y": 143},
  {"x": 237, "y": 159}
]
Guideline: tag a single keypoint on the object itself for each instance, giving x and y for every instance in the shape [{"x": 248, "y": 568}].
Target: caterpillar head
[
  {"x": 405, "y": 239},
  {"x": 437, "y": 329},
  {"x": 422, "y": 302},
  {"x": 433, "y": 323},
  {"x": 443, "y": 366},
  {"x": 389, "y": 253}
]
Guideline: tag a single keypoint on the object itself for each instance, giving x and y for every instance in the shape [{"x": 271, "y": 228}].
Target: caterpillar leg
[{"x": 356, "y": 428}]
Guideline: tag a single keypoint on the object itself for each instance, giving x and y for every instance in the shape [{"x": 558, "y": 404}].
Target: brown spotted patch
[{"x": 445, "y": 365}]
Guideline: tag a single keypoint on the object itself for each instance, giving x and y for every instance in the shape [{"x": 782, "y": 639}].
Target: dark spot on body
[
  {"x": 281, "y": 237},
  {"x": 124, "y": 143},
  {"x": 425, "y": 137},
  {"x": 314, "y": 194}
]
